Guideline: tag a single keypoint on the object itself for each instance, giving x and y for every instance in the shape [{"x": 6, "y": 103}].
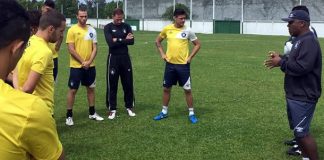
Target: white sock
[
  {"x": 305, "y": 158},
  {"x": 165, "y": 109},
  {"x": 113, "y": 111},
  {"x": 191, "y": 111}
]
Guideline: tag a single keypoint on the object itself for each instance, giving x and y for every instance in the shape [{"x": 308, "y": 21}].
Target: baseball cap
[{"x": 297, "y": 15}]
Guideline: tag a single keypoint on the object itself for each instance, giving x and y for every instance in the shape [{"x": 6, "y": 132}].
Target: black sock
[
  {"x": 69, "y": 113},
  {"x": 92, "y": 110}
]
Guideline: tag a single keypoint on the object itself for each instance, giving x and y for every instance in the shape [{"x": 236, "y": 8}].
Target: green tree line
[{"x": 70, "y": 7}]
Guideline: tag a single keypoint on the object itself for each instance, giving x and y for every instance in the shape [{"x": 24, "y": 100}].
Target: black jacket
[
  {"x": 303, "y": 69},
  {"x": 120, "y": 32}
]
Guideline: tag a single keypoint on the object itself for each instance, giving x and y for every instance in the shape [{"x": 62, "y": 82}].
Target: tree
[
  {"x": 109, "y": 8},
  {"x": 168, "y": 14}
]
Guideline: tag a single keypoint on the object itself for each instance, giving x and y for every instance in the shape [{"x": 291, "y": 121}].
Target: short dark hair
[
  {"x": 34, "y": 17},
  {"x": 51, "y": 18},
  {"x": 118, "y": 11},
  {"x": 179, "y": 11},
  {"x": 82, "y": 8},
  {"x": 14, "y": 23},
  {"x": 50, "y": 3},
  {"x": 301, "y": 7}
]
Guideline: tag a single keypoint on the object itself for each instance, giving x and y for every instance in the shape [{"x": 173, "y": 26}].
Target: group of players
[
  {"x": 24, "y": 115},
  {"x": 29, "y": 45}
]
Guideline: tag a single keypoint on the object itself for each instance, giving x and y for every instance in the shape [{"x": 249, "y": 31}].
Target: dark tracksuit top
[
  {"x": 303, "y": 69},
  {"x": 119, "y": 65}
]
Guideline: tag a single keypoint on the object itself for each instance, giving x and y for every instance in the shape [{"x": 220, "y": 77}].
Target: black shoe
[
  {"x": 291, "y": 142},
  {"x": 294, "y": 151}
]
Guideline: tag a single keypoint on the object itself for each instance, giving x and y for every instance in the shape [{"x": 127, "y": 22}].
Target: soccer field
[{"x": 239, "y": 103}]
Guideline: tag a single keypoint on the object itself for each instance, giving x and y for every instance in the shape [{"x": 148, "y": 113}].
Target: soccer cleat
[
  {"x": 130, "y": 112},
  {"x": 111, "y": 114},
  {"x": 294, "y": 151},
  {"x": 96, "y": 117},
  {"x": 290, "y": 142},
  {"x": 69, "y": 121},
  {"x": 193, "y": 119},
  {"x": 160, "y": 116}
]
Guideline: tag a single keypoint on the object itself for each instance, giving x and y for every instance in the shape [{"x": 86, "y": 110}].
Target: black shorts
[
  {"x": 55, "y": 69},
  {"x": 177, "y": 73},
  {"x": 87, "y": 77}
]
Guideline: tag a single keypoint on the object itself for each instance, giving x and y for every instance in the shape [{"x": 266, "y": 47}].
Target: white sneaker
[
  {"x": 96, "y": 117},
  {"x": 111, "y": 114},
  {"x": 131, "y": 113},
  {"x": 69, "y": 121}
]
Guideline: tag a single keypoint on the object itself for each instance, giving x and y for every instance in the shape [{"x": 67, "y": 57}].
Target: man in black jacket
[
  {"x": 303, "y": 71},
  {"x": 118, "y": 36}
]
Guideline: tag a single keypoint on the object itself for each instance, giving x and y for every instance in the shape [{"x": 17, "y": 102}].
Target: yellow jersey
[
  {"x": 52, "y": 47},
  {"x": 38, "y": 57},
  {"x": 177, "y": 43},
  {"x": 83, "y": 39},
  {"x": 27, "y": 127}
]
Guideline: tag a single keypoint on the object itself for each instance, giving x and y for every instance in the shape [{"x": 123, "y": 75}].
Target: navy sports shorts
[
  {"x": 87, "y": 77},
  {"x": 177, "y": 73},
  {"x": 300, "y": 115}
]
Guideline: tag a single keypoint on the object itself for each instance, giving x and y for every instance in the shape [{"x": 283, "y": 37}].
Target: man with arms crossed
[
  {"x": 177, "y": 58},
  {"x": 34, "y": 72},
  {"x": 303, "y": 72},
  {"x": 118, "y": 36},
  {"x": 27, "y": 130},
  {"x": 82, "y": 44}
]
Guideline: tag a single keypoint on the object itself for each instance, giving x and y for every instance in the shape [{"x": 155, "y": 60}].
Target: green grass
[{"x": 240, "y": 105}]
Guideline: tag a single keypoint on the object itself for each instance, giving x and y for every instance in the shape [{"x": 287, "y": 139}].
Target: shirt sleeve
[
  {"x": 94, "y": 32},
  {"x": 41, "y": 61},
  {"x": 192, "y": 36},
  {"x": 70, "y": 36},
  {"x": 163, "y": 33},
  {"x": 39, "y": 137}
]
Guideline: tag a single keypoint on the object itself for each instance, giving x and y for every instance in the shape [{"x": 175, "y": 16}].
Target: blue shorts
[
  {"x": 86, "y": 77},
  {"x": 300, "y": 115},
  {"x": 177, "y": 73}
]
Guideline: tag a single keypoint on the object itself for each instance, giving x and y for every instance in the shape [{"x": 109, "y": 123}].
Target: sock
[
  {"x": 191, "y": 111},
  {"x": 92, "y": 110},
  {"x": 69, "y": 113},
  {"x": 305, "y": 158},
  {"x": 165, "y": 109},
  {"x": 113, "y": 111}
]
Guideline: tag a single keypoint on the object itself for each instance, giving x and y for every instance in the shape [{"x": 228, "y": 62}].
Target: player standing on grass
[
  {"x": 118, "y": 36},
  {"x": 55, "y": 47},
  {"x": 177, "y": 59},
  {"x": 303, "y": 72},
  {"x": 82, "y": 44},
  {"x": 27, "y": 130},
  {"x": 34, "y": 72},
  {"x": 295, "y": 149}
]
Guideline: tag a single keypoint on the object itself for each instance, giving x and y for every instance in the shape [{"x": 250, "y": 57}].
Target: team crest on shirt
[
  {"x": 297, "y": 44},
  {"x": 91, "y": 35},
  {"x": 183, "y": 34},
  {"x": 113, "y": 30}
]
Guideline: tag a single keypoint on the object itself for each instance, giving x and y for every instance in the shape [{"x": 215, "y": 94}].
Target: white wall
[{"x": 249, "y": 27}]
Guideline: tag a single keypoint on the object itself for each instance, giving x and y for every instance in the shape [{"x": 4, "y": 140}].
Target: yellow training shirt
[
  {"x": 38, "y": 57},
  {"x": 52, "y": 47},
  {"x": 27, "y": 127},
  {"x": 177, "y": 43},
  {"x": 83, "y": 39}
]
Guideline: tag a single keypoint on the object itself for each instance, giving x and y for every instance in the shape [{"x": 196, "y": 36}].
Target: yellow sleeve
[
  {"x": 41, "y": 61},
  {"x": 163, "y": 33},
  {"x": 39, "y": 137},
  {"x": 70, "y": 36}
]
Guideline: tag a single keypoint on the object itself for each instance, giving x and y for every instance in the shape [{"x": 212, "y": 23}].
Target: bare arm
[
  {"x": 158, "y": 44},
  {"x": 58, "y": 44},
  {"x": 74, "y": 54},
  {"x": 31, "y": 82},
  {"x": 195, "y": 50},
  {"x": 15, "y": 78}
]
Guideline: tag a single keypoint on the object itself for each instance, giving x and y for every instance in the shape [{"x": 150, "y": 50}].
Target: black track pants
[{"x": 119, "y": 66}]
